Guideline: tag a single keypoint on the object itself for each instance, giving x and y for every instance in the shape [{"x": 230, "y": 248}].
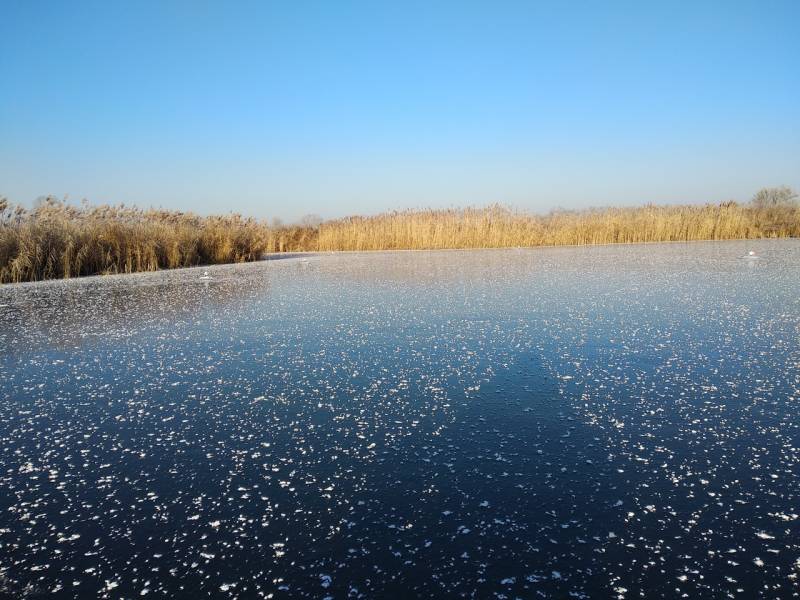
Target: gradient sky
[{"x": 282, "y": 109}]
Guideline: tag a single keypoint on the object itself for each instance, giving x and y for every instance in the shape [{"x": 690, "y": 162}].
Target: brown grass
[
  {"x": 499, "y": 227},
  {"x": 56, "y": 240}
]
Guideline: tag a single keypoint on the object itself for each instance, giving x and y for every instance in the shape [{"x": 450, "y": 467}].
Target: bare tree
[
  {"x": 775, "y": 196},
  {"x": 312, "y": 221}
]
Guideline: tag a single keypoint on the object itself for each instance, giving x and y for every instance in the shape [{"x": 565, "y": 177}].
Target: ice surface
[{"x": 578, "y": 422}]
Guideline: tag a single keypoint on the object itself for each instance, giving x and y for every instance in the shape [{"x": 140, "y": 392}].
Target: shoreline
[
  {"x": 277, "y": 255},
  {"x": 59, "y": 241},
  {"x": 283, "y": 256}
]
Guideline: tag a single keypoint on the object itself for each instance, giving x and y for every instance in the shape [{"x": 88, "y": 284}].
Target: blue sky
[{"x": 282, "y": 109}]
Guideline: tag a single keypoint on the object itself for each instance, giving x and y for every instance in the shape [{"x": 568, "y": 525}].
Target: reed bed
[
  {"x": 58, "y": 240},
  {"x": 500, "y": 227}
]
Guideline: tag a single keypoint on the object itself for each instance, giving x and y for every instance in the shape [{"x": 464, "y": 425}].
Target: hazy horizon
[{"x": 281, "y": 110}]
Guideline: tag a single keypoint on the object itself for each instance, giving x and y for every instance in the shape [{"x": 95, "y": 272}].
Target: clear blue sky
[{"x": 282, "y": 109}]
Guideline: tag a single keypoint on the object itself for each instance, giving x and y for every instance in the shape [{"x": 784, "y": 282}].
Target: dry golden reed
[
  {"x": 57, "y": 240},
  {"x": 499, "y": 227}
]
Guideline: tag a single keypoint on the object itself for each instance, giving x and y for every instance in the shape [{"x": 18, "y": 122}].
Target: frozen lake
[{"x": 576, "y": 422}]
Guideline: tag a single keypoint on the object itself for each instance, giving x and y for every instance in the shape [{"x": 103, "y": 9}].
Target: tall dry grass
[
  {"x": 57, "y": 240},
  {"x": 500, "y": 227}
]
